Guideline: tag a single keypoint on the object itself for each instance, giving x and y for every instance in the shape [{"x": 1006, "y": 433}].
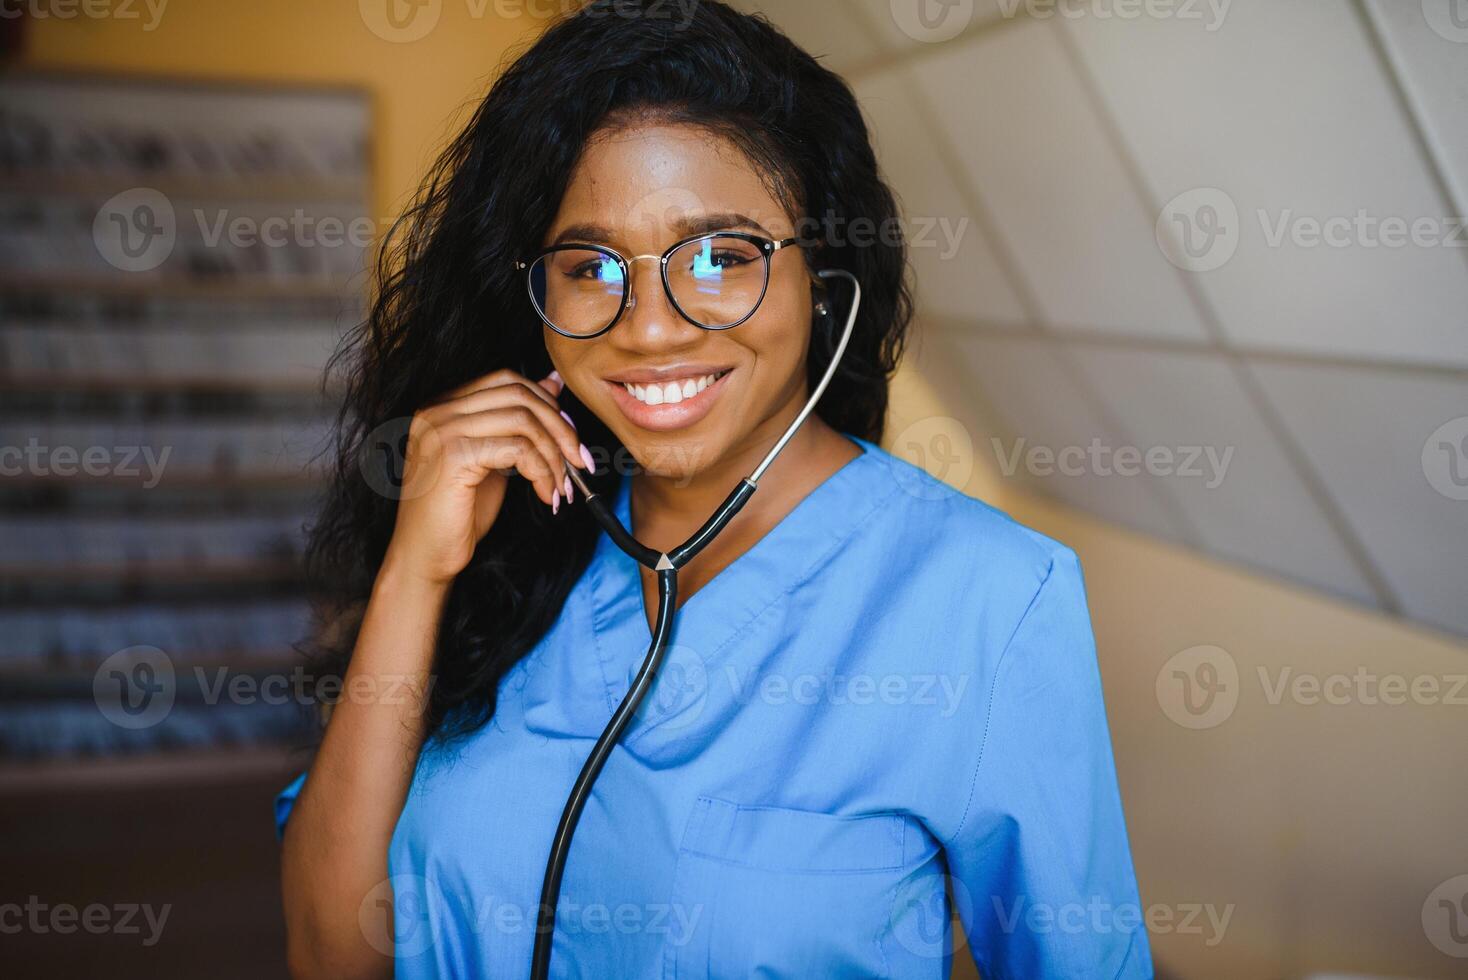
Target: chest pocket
[{"x": 773, "y": 892}]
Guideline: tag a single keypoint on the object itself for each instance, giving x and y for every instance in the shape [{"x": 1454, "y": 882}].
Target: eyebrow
[{"x": 686, "y": 227}]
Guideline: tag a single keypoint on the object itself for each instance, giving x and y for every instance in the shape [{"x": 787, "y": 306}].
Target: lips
[{"x": 651, "y": 402}]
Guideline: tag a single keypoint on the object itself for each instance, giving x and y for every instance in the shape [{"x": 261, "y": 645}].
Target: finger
[
  {"x": 508, "y": 454},
  {"x": 555, "y": 422},
  {"x": 498, "y": 378},
  {"x": 553, "y": 383},
  {"x": 517, "y": 419}
]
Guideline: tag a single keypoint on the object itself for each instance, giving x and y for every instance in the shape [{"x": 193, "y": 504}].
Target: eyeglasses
[{"x": 715, "y": 281}]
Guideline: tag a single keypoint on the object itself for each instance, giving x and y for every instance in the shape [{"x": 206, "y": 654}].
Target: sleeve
[
  {"x": 284, "y": 801},
  {"x": 1042, "y": 874}
]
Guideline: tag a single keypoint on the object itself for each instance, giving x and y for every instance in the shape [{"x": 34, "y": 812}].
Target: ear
[{"x": 820, "y": 298}]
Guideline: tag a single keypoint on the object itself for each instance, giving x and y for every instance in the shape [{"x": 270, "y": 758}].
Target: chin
[{"x": 671, "y": 455}]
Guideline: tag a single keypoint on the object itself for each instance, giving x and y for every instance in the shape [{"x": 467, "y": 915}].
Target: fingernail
[
  {"x": 556, "y": 377},
  {"x": 569, "y": 420},
  {"x": 586, "y": 458},
  {"x": 556, "y": 502},
  {"x": 569, "y": 495}
]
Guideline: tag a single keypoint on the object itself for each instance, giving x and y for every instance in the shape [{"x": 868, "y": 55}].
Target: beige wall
[{"x": 1326, "y": 826}]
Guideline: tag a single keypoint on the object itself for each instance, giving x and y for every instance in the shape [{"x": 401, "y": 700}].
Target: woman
[{"x": 879, "y": 691}]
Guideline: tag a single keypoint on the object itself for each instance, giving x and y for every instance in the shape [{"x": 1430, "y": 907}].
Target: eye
[
  {"x": 727, "y": 257},
  {"x": 599, "y": 268},
  {"x": 716, "y": 259}
]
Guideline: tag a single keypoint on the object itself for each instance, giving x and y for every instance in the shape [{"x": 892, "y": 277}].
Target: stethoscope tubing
[{"x": 666, "y": 566}]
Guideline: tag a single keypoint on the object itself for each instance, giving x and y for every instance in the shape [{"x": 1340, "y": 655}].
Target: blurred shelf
[
  {"x": 147, "y": 573},
  {"x": 72, "y": 680},
  {"x": 220, "y": 481},
  {"x": 142, "y": 285},
  {"x": 183, "y": 768},
  {"x": 104, "y": 384},
  {"x": 100, "y": 184}
]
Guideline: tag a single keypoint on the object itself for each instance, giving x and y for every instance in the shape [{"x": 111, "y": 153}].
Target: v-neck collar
[{"x": 721, "y": 609}]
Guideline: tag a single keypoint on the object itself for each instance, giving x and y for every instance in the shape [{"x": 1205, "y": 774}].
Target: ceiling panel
[
  {"x": 915, "y": 24},
  {"x": 1428, "y": 48},
  {"x": 1036, "y": 396},
  {"x": 1393, "y": 450},
  {"x": 1041, "y": 163},
  {"x": 1247, "y": 502},
  {"x": 955, "y": 268},
  {"x": 1284, "y": 109},
  {"x": 829, "y": 30}
]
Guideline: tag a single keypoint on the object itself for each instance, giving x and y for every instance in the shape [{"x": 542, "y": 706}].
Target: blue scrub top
[{"x": 895, "y": 690}]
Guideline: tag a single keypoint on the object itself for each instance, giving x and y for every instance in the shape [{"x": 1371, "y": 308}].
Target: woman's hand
[{"x": 462, "y": 451}]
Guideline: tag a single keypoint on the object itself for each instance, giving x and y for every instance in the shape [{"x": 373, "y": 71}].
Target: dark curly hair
[{"x": 449, "y": 306}]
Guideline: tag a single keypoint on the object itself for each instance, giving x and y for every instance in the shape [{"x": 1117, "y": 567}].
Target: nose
[{"x": 651, "y": 323}]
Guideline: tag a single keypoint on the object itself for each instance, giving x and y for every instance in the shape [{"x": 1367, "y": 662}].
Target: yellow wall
[
  {"x": 1326, "y": 826},
  {"x": 416, "y": 86}
]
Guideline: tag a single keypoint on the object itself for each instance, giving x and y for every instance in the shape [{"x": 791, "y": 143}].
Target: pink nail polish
[
  {"x": 569, "y": 495},
  {"x": 586, "y": 458},
  {"x": 569, "y": 421},
  {"x": 556, "y": 502},
  {"x": 556, "y": 376}
]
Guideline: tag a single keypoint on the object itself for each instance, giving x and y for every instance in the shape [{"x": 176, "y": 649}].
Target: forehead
[{"x": 646, "y": 184}]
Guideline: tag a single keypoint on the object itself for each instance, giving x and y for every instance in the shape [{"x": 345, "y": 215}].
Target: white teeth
[{"x": 670, "y": 393}]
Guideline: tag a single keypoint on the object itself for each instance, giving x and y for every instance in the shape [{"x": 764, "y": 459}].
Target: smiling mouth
[
  {"x": 672, "y": 392},
  {"x": 677, "y": 403}
]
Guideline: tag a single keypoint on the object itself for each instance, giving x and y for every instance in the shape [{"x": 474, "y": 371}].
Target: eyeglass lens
[{"x": 715, "y": 281}]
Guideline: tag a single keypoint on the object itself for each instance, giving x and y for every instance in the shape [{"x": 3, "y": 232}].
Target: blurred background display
[{"x": 178, "y": 260}]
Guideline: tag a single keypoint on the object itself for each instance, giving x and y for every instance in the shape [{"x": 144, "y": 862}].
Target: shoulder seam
[{"x": 993, "y": 693}]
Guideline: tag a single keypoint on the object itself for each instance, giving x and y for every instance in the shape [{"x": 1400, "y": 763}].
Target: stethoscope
[{"x": 666, "y": 564}]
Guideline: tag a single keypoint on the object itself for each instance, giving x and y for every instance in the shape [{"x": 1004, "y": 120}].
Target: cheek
[
  {"x": 566, "y": 355},
  {"x": 782, "y": 333}
]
